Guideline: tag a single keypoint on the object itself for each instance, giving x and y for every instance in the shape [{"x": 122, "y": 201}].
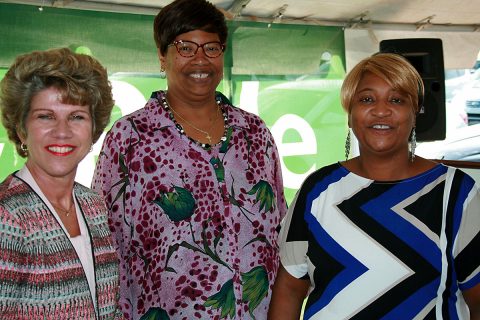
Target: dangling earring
[
  {"x": 413, "y": 145},
  {"x": 91, "y": 147},
  {"x": 347, "y": 145},
  {"x": 163, "y": 74},
  {"x": 24, "y": 148}
]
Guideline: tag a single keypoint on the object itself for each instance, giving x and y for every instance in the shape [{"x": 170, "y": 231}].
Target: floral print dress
[{"x": 196, "y": 228}]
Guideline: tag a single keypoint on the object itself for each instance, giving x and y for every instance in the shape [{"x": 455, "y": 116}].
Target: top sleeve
[
  {"x": 293, "y": 239},
  {"x": 281, "y": 202},
  {"x": 111, "y": 181},
  {"x": 467, "y": 241}
]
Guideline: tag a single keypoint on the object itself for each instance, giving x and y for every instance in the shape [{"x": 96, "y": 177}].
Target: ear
[{"x": 20, "y": 135}]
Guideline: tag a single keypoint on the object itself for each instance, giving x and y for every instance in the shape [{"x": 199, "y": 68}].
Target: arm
[
  {"x": 467, "y": 261},
  {"x": 109, "y": 182},
  {"x": 13, "y": 276},
  {"x": 287, "y": 296},
  {"x": 281, "y": 202},
  {"x": 472, "y": 298}
]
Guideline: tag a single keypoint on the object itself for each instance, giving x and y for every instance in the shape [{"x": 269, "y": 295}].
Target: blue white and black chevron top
[{"x": 384, "y": 250}]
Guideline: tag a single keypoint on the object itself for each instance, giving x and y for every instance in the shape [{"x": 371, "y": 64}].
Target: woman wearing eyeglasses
[{"x": 193, "y": 185}]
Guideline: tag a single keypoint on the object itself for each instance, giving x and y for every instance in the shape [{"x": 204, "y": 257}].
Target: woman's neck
[
  {"x": 56, "y": 189},
  {"x": 202, "y": 106}
]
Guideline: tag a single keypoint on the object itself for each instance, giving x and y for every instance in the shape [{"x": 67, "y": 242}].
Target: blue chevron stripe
[
  {"x": 471, "y": 283},
  {"x": 353, "y": 268},
  {"x": 321, "y": 186},
  {"x": 410, "y": 308},
  {"x": 403, "y": 229}
]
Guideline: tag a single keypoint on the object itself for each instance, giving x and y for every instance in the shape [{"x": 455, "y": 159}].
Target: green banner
[{"x": 290, "y": 75}]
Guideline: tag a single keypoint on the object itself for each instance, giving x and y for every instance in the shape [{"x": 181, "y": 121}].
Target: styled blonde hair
[{"x": 393, "y": 69}]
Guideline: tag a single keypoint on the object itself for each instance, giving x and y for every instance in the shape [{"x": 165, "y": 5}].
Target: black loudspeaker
[{"x": 426, "y": 55}]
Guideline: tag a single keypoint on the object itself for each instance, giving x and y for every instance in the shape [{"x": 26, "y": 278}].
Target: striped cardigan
[{"x": 41, "y": 276}]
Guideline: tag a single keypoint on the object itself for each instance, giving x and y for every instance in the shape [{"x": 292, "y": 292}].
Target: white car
[
  {"x": 469, "y": 98},
  {"x": 464, "y": 145}
]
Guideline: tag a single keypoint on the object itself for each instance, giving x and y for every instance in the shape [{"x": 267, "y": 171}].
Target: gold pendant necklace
[
  {"x": 65, "y": 212},
  {"x": 206, "y": 133}
]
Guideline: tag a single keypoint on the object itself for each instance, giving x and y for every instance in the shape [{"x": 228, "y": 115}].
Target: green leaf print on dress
[
  {"x": 177, "y": 205},
  {"x": 224, "y": 300},
  {"x": 155, "y": 314},
  {"x": 219, "y": 169},
  {"x": 264, "y": 194},
  {"x": 255, "y": 287}
]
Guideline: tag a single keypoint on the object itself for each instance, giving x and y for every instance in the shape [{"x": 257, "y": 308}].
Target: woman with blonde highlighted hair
[{"x": 386, "y": 234}]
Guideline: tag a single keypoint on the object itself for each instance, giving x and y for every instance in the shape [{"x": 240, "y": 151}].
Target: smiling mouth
[
  {"x": 381, "y": 126},
  {"x": 60, "y": 150},
  {"x": 199, "y": 75}
]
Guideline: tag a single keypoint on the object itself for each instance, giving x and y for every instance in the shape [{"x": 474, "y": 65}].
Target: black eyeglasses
[{"x": 188, "y": 49}]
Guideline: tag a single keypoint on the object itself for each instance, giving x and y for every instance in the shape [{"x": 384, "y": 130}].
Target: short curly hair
[
  {"x": 182, "y": 16},
  {"x": 81, "y": 79},
  {"x": 394, "y": 69}
]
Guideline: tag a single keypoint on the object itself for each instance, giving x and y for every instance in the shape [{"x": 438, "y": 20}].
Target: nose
[
  {"x": 382, "y": 109},
  {"x": 62, "y": 128}
]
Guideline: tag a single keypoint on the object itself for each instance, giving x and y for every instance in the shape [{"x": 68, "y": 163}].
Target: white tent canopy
[{"x": 366, "y": 22}]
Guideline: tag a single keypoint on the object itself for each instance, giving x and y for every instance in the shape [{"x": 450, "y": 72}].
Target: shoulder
[
  {"x": 90, "y": 201},
  {"x": 16, "y": 201},
  {"x": 333, "y": 171},
  {"x": 85, "y": 192},
  {"x": 12, "y": 188},
  {"x": 238, "y": 114},
  {"x": 4, "y": 186},
  {"x": 321, "y": 180},
  {"x": 251, "y": 124},
  {"x": 125, "y": 122},
  {"x": 459, "y": 179},
  {"x": 150, "y": 117}
]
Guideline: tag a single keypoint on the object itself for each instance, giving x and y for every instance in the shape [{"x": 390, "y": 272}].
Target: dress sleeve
[
  {"x": 281, "y": 202},
  {"x": 293, "y": 239},
  {"x": 111, "y": 181},
  {"x": 467, "y": 242}
]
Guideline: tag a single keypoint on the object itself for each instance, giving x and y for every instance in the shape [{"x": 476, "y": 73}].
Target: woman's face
[
  {"x": 58, "y": 135},
  {"x": 196, "y": 77},
  {"x": 381, "y": 118}
]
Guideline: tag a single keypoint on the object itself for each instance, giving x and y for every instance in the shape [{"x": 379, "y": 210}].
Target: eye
[
  {"x": 45, "y": 116},
  {"x": 367, "y": 99},
  {"x": 396, "y": 100},
  {"x": 214, "y": 48},
  {"x": 186, "y": 48},
  {"x": 77, "y": 117}
]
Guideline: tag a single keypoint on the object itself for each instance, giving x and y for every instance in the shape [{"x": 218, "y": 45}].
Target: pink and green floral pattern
[{"x": 196, "y": 229}]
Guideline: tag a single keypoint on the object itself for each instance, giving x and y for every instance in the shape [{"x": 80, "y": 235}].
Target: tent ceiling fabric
[
  {"x": 366, "y": 22},
  {"x": 441, "y": 12}
]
